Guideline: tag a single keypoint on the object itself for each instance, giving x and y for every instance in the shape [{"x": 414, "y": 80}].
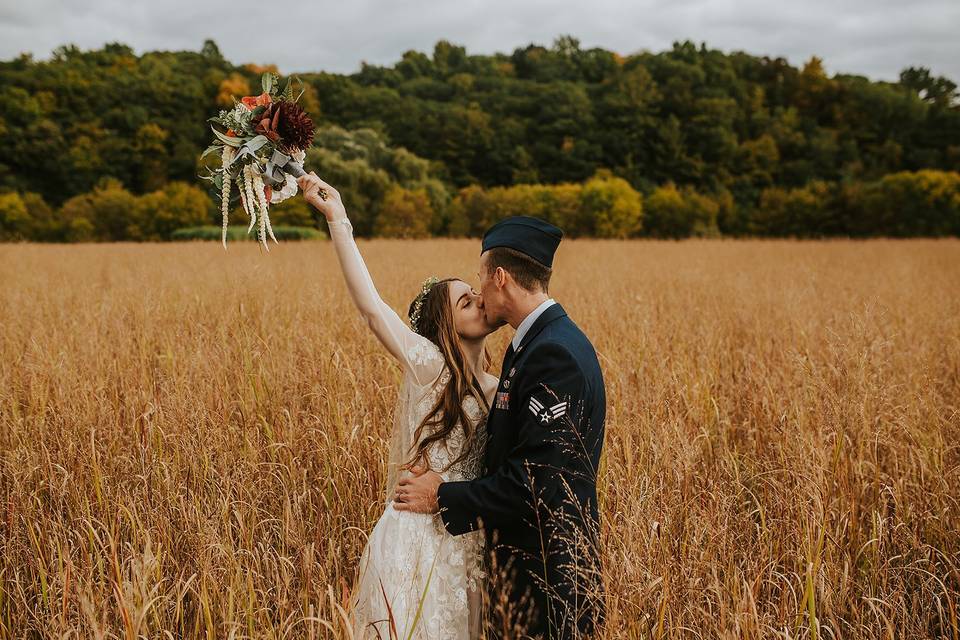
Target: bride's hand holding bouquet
[{"x": 322, "y": 196}]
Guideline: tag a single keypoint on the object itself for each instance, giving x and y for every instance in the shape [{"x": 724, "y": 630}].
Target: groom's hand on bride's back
[{"x": 418, "y": 493}]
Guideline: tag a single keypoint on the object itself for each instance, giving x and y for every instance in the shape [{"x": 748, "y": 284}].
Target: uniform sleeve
[
  {"x": 550, "y": 394},
  {"x": 417, "y": 354}
]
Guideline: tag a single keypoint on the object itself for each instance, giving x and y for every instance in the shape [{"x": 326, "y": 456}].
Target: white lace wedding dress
[{"x": 414, "y": 577}]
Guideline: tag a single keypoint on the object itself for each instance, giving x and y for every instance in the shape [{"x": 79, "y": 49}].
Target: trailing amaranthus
[
  {"x": 251, "y": 200},
  {"x": 226, "y": 159}
]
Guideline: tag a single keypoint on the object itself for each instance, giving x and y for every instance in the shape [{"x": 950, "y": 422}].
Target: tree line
[{"x": 105, "y": 144}]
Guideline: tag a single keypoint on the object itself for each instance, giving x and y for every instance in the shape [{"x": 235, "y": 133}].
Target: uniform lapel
[{"x": 553, "y": 312}]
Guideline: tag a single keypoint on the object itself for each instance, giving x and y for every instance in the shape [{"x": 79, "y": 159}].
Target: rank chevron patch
[{"x": 545, "y": 414}]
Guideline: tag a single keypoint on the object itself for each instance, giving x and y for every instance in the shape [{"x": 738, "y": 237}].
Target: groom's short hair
[{"x": 527, "y": 272}]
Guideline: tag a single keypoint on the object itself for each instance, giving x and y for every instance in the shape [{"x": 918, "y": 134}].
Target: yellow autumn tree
[
  {"x": 234, "y": 86},
  {"x": 611, "y": 206}
]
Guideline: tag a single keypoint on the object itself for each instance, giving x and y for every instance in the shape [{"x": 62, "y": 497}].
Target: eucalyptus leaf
[
  {"x": 211, "y": 149},
  {"x": 230, "y": 140},
  {"x": 267, "y": 81}
]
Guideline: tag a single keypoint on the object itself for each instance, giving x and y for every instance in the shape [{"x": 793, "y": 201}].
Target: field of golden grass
[{"x": 192, "y": 442}]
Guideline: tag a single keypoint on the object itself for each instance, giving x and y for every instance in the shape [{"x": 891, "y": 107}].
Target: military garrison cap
[{"x": 530, "y": 236}]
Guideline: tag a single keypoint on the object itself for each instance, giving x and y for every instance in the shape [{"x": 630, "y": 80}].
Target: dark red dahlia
[
  {"x": 287, "y": 125},
  {"x": 295, "y": 127}
]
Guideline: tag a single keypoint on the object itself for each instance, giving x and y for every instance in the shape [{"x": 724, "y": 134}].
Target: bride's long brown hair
[{"x": 436, "y": 324}]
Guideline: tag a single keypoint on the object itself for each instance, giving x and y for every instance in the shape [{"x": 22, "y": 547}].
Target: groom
[{"x": 537, "y": 503}]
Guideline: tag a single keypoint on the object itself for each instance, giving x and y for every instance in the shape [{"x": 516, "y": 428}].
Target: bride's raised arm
[{"x": 400, "y": 340}]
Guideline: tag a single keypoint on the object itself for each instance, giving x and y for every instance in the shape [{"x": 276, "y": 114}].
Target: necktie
[{"x": 507, "y": 358}]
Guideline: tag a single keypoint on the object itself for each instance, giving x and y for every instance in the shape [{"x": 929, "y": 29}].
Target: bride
[{"x": 416, "y": 580}]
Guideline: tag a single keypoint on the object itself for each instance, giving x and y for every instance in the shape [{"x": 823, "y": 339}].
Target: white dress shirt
[{"x": 528, "y": 322}]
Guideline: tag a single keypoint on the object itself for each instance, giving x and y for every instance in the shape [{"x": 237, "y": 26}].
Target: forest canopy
[{"x": 106, "y": 144}]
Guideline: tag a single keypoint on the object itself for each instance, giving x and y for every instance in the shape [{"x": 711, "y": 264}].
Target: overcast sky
[{"x": 876, "y": 38}]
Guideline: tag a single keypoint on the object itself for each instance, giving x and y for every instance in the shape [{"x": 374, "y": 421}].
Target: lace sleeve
[{"x": 417, "y": 354}]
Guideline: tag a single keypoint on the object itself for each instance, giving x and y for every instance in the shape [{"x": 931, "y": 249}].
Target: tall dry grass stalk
[{"x": 192, "y": 443}]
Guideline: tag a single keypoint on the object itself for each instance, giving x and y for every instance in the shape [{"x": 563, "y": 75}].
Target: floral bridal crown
[{"x": 428, "y": 284}]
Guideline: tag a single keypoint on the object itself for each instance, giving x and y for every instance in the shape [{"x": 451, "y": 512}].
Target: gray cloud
[{"x": 876, "y": 38}]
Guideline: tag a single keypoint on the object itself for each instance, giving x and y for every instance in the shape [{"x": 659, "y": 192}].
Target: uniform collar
[{"x": 528, "y": 322}]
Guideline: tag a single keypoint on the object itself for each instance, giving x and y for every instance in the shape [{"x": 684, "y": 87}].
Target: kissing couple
[{"x": 491, "y": 525}]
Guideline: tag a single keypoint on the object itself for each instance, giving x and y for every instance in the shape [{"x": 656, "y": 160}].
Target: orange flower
[{"x": 251, "y": 102}]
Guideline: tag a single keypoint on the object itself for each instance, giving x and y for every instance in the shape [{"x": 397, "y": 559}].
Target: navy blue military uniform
[{"x": 537, "y": 503}]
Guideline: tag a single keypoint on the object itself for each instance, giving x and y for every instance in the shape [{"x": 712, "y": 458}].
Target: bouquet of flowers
[{"x": 261, "y": 143}]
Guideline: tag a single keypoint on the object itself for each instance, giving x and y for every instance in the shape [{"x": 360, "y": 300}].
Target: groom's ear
[{"x": 500, "y": 276}]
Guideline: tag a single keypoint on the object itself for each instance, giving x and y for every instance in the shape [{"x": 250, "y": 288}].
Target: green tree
[
  {"x": 929, "y": 88},
  {"x": 41, "y": 224},
  {"x": 673, "y": 213},
  {"x": 108, "y": 213},
  {"x": 707, "y": 121},
  {"x": 405, "y": 214},
  {"x": 470, "y": 211},
  {"x": 360, "y": 185},
  {"x": 14, "y": 217},
  {"x": 800, "y": 212},
  {"x": 176, "y": 206},
  {"x": 922, "y": 203},
  {"x": 295, "y": 212},
  {"x": 560, "y": 204}
]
